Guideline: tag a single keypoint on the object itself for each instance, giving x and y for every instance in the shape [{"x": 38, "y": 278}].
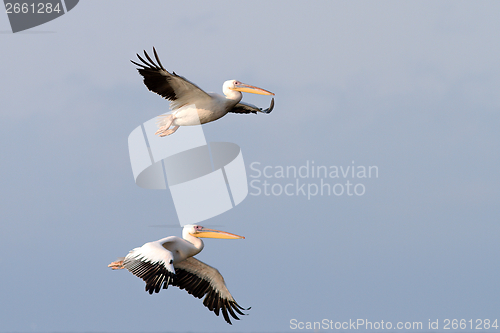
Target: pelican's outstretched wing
[
  {"x": 249, "y": 108},
  {"x": 152, "y": 263},
  {"x": 200, "y": 279},
  {"x": 178, "y": 90}
]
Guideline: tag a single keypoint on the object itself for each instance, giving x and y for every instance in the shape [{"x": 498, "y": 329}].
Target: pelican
[
  {"x": 170, "y": 261},
  {"x": 191, "y": 105}
]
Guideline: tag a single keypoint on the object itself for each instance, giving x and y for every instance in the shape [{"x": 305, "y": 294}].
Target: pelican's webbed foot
[
  {"x": 117, "y": 264},
  {"x": 165, "y": 132}
]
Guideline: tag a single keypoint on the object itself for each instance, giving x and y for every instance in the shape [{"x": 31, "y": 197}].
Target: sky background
[{"x": 410, "y": 87}]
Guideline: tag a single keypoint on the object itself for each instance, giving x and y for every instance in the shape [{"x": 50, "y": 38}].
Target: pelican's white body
[
  {"x": 204, "y": 109},
  {"x": 181, "y": 248}
]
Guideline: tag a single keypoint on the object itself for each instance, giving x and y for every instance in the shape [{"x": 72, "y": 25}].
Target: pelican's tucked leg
[
  {"x": 170, "y": 131},
  {"x": 164, "y": 123},
  {"x": 117, "y": 264}
]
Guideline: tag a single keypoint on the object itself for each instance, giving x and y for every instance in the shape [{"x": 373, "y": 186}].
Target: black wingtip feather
[
  {"x": 272, "y": 106},
  {"x": 270, "y": 109},
  {"x": 158, "y": 58},
  {"x": 224, "y": 313},
  {"x": 137, "y": 64},
  {"x": 144, "y": 61},
  {"x": 153, "y": 64},
  {"x": 235, "y": 307}
]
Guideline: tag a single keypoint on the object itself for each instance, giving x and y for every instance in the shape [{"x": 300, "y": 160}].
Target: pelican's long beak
[
  {"x": 251, "y": 89},
  {"x": 212, "y": 233}
]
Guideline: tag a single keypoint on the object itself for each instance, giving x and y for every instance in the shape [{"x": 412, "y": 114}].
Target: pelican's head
[
  {"x": 239, "y": 86},
  {"x": 202, "y": 232}
]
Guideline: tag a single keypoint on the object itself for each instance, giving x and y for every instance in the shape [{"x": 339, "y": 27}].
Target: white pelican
[
  {"x": 190, "y": 104},
  {"x": 169, "y": 261}
]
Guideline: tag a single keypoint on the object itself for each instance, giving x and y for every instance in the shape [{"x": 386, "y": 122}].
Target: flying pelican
[
  {"x": 170, "y": 261},
  {"x": 190, "y": 104}
]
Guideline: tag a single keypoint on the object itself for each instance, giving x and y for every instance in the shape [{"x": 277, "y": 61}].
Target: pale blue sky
[{"x": 410, "y": 87}]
